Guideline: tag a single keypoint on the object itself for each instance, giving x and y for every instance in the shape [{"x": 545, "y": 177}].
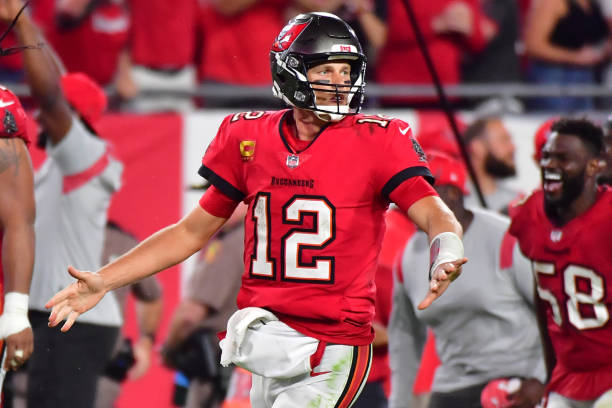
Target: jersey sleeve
[
  {"x": 400, "y": 158},
  {"x": 518, "y": 215},
  {"x": 216, "y": 203},
  {"x": 411, "y": 191},
  {"x": 13, "y": 119},
  {"x": 221, "y": 164}
]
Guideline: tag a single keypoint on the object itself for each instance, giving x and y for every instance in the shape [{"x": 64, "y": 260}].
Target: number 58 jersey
[
  {"x": 573, "y": 270},
  {"x": 314, "y": 224}
]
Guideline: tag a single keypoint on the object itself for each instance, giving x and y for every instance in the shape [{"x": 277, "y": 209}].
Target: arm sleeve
[
  {"x": 407, "y": 338},
  {"x": 78, "y": 151},
  {"x": 222, "y": 163},
  {"x": 399, "y": 158},
  {"x": 411, "y": 191},
  {"x": 217, "y": 203}
]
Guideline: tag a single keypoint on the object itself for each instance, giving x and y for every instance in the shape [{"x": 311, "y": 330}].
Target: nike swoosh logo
[
  {"x": 405, "y": 130},
  {"x": 5, "y": 104},
  {"x": 313, "y": 374}
]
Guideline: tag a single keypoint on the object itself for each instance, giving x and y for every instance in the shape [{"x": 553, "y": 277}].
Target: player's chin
[{"x": 553, "y": 197}]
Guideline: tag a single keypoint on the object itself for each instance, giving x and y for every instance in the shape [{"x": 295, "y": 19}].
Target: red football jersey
[
  {"x": 315, "y": 221},
  {"x": 573, "y": 269}
]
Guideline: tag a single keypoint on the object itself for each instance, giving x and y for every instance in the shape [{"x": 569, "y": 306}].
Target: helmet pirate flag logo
[
  {"x": 9, "y": 123},
  {"x": 287, "y": 35}
]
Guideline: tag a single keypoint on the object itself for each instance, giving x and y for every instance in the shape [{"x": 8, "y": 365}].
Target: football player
[
  {"x": 17, "y": 212},
  {"x": 566, "y": 230},
  {"x": 317, "y": 179}
]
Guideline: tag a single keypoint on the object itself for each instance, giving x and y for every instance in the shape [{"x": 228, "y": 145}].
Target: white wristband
[
  {"x": 15, "y": 316},
  {"x": 444, "y": 247},
  {"x": 15, "y": 302}
]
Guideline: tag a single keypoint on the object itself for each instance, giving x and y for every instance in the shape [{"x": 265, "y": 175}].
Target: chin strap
[{"x": 329, "y": 117}]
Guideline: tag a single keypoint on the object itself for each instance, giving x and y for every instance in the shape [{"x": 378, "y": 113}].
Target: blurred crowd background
[{"x": 159, "y": 55}]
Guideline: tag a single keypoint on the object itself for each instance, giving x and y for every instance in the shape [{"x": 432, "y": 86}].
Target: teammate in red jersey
[
  {"x": 565, "y": 229},
  {"x": 16, "y": 230},
  {"x": 317, "y": 179}
]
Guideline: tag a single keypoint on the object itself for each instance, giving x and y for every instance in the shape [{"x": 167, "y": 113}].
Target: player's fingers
[
  {"x": 59, "y": 297},
  {"x": 70, "y": 321},
  {"x": 429, "y": 298},
  {"x": 55, "y": 312},
  {"x": 63, "y": 313},
  {"x": 75, "y": 273},
  {"x": 453, "y": 265}
]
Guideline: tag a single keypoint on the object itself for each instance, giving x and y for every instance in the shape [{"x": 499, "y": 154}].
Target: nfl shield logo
[
  {"x": 556, "y": 235},
  {"x": 293, "y": 161}
]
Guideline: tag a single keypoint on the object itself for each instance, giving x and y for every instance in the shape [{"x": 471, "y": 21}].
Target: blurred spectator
[
  {"x": 606, "y": 8},
  {"x": 236, "y": 39},
  {"x": 491, "y": 152},
  {"x": 89, "y": 35},
  {"x": 129, "y": 361},
  {"x": 73, "y": 191},
  {"x": 11, "y": 66},
  {"x": 605, "y": 178},
  {"x": 239, "y": 389},
  {"x": 566, "y": 41},
  {"x": 192, "y": 345},
  {"x": 493, "y": 334},
  {"x": 450, "y": 27},
  {"x": 161, "y": 54},
  {"x": 435, "y": 133},
  {"x": 498, "y": 62},
  {"x": 367, "y": 17}
]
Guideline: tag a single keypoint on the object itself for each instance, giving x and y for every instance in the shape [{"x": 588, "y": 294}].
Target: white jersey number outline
[
  {"x": 576, "y": 297},
  {"x": 293, "y": 268}
]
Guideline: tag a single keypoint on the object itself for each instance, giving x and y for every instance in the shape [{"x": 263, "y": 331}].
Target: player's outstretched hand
[
  {"x": 442, "y": 277},
  {"x": 75, "y": 299}
]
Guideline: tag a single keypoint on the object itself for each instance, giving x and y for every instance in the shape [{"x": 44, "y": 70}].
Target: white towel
[{"x": 237, "y": 326}]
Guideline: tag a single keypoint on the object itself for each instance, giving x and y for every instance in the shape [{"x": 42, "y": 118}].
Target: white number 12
[{"x": 293, "y": 268}]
